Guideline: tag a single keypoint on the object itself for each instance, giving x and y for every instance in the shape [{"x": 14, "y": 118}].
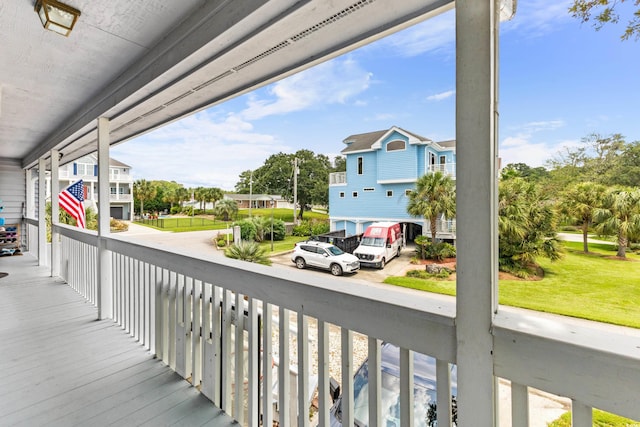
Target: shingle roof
[
  {"x": 364, "y": 141},
  {"x": 447, "y": 144},
  {"x": 117, "y": 163}
]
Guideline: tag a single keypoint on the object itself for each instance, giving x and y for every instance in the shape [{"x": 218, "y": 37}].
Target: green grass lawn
[
  {"x": 285, "y": 215},
  {"x": 591, "y": 286},
  {"x": 199, "y": 223},
  {"x": 181, "y": 224},
  {"x": 281, "y": 245}
]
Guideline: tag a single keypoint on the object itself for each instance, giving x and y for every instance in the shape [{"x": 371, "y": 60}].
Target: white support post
[
  {"x": 55, "y": 213},
  {"x": 42, "y": 207},
  {"x": 406, "y": 388},
  {"x": 30, "y": 208},
  {"x": 519, "y": 405},
  {"x": 476, "y": 186},
  {"x": 104, "y": 297},
  {"x": 375, "y": 381}
]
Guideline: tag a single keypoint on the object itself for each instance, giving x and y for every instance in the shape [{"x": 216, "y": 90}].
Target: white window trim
[{"x": 400, "y": 149}]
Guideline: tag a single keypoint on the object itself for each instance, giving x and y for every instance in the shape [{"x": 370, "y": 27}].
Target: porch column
[
  {"x": 104, "y": 256},
  {"x": 30, "y": 197},
  {"x": 42, "y": 208},
  {"x": 55, "y": 213},
  {"x": 476, "y": 187}
]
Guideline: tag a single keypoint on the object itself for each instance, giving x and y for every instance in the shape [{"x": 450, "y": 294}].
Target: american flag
[{"x": 71, "y": 200}]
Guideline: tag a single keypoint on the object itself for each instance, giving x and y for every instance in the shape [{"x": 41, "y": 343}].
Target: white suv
[{"x": 326, "y": 256}]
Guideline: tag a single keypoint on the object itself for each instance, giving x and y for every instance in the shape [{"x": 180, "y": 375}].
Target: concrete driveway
[{"x": 198, "y": 243}]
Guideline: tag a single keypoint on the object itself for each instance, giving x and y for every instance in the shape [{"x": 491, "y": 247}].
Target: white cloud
[
  {"x": 543, "y": 125},
  {"x": 199, "y": 151},
  {"x": 333, "y": 82},
  {"x": 535, "y": 18},
  {"x": 516, "y": 141},
  {"x": 433, "y": 35},
  {"x": 525, "y": 145},
  {"x": 441, "y": 96},
  {"x": 212, "y": 148},
  {"x": 383, "y": 117}
]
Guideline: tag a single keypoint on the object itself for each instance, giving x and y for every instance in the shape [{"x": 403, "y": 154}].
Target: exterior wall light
[{"x": 56, "y": 16}]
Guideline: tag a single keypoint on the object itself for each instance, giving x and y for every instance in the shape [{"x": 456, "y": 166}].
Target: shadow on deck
[{"x": 59, "y": 366}]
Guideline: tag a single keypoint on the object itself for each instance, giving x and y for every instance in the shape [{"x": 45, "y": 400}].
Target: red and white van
[{"x": 381, "y": 242}]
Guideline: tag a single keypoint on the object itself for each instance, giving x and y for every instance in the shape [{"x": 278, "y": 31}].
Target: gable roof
[
  {"x": 362, "y": 141},
  {"x": 93, "y": 158},
  {"x": 117, "y": 163},
  {"x": 367, "y": 141}
]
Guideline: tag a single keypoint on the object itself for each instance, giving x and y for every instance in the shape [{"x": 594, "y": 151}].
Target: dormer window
[{"x": 397, "y": 145}]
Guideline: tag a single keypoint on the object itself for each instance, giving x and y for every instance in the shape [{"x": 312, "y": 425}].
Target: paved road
[
  {"x": 188, "y": 243},
  {"x": 571, "y": 237}
]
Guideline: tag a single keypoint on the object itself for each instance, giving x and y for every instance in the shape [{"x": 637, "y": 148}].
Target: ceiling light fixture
[{"x": 56, "y": 16}]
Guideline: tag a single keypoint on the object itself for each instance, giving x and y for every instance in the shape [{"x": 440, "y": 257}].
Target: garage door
[{"x": 116, "y": 212}]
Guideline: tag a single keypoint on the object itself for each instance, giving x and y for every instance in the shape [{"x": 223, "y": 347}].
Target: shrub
[
  {"x": 117, "y": 225},
  {"x": 248, "y": 251},
  {"x": 175, "y": 209},
  {"x": 438, "y": 251},
  {"x": 221, "y": 243},
  {"x": 423, "y": 274},
  {"x": 279, "y": 230},
  {"x": 311, "y": 228},
  {"x": 248, "y": 229}
]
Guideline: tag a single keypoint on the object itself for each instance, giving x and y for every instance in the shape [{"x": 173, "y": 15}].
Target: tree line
[
  {"x": 594, "y": 186},
  {"x": 275, "y": 176}
]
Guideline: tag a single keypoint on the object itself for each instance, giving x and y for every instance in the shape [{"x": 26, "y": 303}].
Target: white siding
[{"x": 12, "y": 190}]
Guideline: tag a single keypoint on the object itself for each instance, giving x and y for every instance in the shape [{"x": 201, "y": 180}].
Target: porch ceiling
[{"x": 144, "y": 64}]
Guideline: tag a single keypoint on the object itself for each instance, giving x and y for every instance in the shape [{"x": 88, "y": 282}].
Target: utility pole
[
  {"x": 250, "y": 193},
  {"x": 295, "y": 190}
]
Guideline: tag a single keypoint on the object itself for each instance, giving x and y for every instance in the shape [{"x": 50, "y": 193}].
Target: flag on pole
[{"x": 71, "y": 200}]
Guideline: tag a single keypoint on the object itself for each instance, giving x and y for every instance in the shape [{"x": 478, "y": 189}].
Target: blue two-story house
[{"x": 382, "y": 168}]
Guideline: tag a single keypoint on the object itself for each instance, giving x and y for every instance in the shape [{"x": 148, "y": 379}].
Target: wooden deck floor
[{"x": 59, "y": 366}]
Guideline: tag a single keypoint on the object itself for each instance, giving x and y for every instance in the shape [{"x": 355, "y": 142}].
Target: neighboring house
[
  {"x": 382, "y": 168},
  {"x": 259, "y": 201},
  {"x": 120, "y": 184}
]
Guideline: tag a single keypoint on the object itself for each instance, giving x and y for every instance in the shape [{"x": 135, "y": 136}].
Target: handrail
[{"x": 165, "y": 299}]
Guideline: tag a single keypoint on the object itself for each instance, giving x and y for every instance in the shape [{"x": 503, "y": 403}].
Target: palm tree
[
  {"x": 248, "y": 251},
  {"x": 144, "y": 190},
  {"x": 227, "y": 208},
  {"x": 199, "y": 195},
  {"x": 620, "y": 214},
  {"x": 182, "y": 195},
  {"x": 581, "y": 201},
  {"x": 526, "y": 225},
  {"x": 434, "y": 197},
  {"x": 212, "y": 195}
]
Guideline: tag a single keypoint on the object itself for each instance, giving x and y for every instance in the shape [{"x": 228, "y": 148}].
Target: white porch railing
[
  {"x": 337, "y": 178},
  {"x": 120, "y": 197},
  {"x": 446, "y": 226},
  {"x": 184, "y": 310},
  {"x": 448, "y": 169}
]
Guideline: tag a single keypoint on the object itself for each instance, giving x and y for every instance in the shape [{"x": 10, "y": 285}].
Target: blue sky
[{"x": 560, "y": 81}]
